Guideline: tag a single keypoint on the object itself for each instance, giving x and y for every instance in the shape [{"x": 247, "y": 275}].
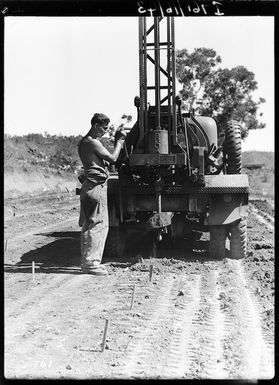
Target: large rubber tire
[
  {"x": 217, "y": 243},
  {"x": 115, "y": 243},
  {"x": 232, "y": 147},
  {"x": 238, "y": 239},
  {"x": 177, "y": 228}
]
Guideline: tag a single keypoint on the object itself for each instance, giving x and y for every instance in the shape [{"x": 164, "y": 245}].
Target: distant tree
[{"x": 223, "y": 94}]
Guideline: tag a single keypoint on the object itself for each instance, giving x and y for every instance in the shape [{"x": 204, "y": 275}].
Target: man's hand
[{"x": 120, "y": 135}]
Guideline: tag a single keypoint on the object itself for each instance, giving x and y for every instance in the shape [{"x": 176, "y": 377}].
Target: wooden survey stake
[{"x": 105, "y": 336}]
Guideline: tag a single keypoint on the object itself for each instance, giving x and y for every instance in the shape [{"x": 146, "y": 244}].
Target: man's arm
[{"x": 103, "y": 153}]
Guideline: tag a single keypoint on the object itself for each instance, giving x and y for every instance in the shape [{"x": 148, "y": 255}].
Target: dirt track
[{"x": 197, "y": 318}]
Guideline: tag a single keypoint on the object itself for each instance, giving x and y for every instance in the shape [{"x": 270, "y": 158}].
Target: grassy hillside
[
  {"x": 47, "y": 152},
  {"x": 35, "y": 163},
  {"x": 265, "y": 158},
  {"x": 260, "y": 171}
]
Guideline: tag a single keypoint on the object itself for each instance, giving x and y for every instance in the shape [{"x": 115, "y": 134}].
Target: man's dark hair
[{"x": 100, "y": 119}]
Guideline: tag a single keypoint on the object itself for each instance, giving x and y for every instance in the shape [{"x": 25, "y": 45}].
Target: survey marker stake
[
  {"x": 133, "y": 297},
  {"x": 150, "y": 272},
  {"x": 105, "y": 336},
  {"x": 33, "y": 271}
]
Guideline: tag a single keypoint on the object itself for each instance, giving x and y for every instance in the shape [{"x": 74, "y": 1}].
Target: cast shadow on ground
[
  {"x": 63, "y": 254},
  {"x": 59, "y": 256}
]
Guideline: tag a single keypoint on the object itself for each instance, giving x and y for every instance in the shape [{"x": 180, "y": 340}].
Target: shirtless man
[{"x": 93, "y": 196}]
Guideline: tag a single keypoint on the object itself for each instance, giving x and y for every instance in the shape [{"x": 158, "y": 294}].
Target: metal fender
[
  {"x": 227, "y": 208},
  {"x": 210, "y": 128}
]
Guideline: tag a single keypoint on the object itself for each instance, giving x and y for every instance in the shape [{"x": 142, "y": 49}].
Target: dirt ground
[{"x": 194, "y": 318}]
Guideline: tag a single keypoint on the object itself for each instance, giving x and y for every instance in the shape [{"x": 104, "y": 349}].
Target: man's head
[{"x": 100, "y": 124}]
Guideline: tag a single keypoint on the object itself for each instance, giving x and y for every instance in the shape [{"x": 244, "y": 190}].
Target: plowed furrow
[
  {"x": 33, "y": 293},
  {"x": 160, "y": 350},
  {"x": 59, "y": 327},
  {"x": 135, "y": 360},
  {"x": 262, "y": 219},
  {"x": 245, "y": 351},
  {"x": 183, "y": 326},
  {"x": 40, "y": 299},
  {"x": 206, "y": 360}
]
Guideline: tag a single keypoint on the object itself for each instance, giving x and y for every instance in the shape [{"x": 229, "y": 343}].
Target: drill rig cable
[{"x": 184, "y": 125}]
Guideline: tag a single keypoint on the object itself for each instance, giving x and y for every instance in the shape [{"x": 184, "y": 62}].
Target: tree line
[{"x": 221, "y": 93}]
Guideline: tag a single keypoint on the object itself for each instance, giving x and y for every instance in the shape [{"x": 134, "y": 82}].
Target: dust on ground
[{"x": 195, "y": 317}]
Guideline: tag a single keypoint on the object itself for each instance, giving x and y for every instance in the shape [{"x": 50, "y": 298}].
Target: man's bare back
[{"x": 90, "y": 152}]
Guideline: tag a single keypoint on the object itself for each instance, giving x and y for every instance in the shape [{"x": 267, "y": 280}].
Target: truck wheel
[
  {"x": 217, "y": 243},
  {"x": 177, "y": 228},
  {"x": 115, "y": 243},
  {"x": 232, "y": 147},
  {"x": 238, "y": 239}
]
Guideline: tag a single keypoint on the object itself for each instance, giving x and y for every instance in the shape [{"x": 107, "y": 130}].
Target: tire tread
[
  {"x": 217, "y": 244},
  {"x": 232, "y": 147},
  {"x": 238, "y": 243}
]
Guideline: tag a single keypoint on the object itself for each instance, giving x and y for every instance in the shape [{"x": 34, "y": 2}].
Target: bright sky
[{"x": 59, "y": 71}]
